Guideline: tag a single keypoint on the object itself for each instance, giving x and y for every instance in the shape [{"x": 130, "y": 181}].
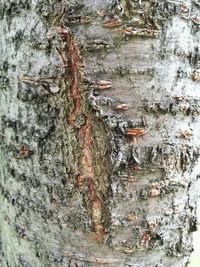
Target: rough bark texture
[{"x": 99, "y": 113}]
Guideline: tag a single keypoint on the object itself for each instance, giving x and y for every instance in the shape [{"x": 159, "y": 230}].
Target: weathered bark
[{"x": 99, "y": 113}]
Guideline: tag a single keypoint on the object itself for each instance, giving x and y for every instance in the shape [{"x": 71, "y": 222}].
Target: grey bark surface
[{"x": 84, "y": 179}]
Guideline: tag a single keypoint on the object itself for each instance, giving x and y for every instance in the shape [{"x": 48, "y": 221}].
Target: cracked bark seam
[{"x": 73, "y": 63}]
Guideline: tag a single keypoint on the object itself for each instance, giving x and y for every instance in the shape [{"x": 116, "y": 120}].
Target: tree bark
[{"x": 99, "y": 131}]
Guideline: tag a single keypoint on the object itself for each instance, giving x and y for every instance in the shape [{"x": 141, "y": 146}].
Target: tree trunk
[{"x": 99, "y": 113}]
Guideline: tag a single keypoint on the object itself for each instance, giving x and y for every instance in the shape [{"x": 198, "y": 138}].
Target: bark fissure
[
  {"x": 88, "y": 177},
  {"x": 88, "y": 169},
  {"x": 72, "y": 62},
  {"x": 99, "y": 164}
]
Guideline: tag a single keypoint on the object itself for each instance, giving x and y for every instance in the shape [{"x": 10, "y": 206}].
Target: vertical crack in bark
[
  {"x": 85, "y": 135},
  {"x": 95, "y": 206},
  {"x": 72, "y": 63},
  {"x": 95, "y": 202}
]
